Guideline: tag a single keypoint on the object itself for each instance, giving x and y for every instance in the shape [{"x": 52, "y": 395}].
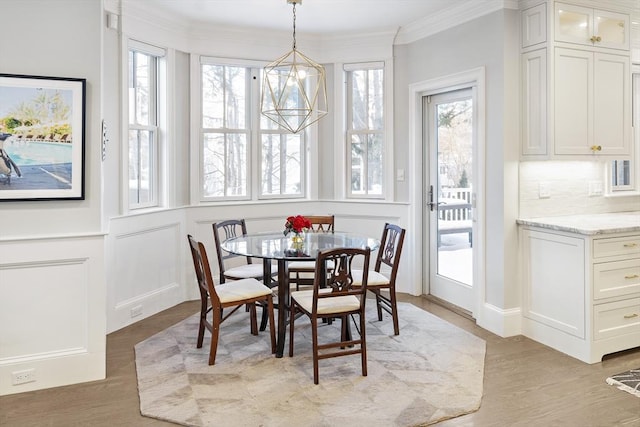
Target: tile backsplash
[{"x": 552, "y": 188}]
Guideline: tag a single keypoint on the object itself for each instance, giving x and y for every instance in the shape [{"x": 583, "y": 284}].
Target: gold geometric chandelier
[{"x": 294, "y": 90}]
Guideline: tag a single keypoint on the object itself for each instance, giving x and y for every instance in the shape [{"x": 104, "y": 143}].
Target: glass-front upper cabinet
[{"x": 591, "y": 27}]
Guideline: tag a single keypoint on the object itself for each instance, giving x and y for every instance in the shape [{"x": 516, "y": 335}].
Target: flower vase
[{"x": 297, "y": 238}]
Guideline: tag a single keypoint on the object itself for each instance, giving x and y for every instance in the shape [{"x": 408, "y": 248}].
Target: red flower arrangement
[{"x": 296, "y": 224}]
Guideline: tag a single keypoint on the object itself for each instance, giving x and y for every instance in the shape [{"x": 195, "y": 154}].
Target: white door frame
[{"x": 474, "y": 78}]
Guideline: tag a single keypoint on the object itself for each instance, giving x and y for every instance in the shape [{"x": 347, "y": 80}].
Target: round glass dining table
[{"x": 276, "y": 246}]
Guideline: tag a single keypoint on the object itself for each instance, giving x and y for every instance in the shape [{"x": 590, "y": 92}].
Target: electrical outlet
[
  {"x": 136, "y": 311},
  {"x": 21, "y": 377},
  {"x": 544, "y": 190},
  {"x": 595, "y": 188}
]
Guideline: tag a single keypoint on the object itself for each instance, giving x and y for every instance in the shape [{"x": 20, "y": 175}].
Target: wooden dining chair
[
  {"x": 233, "y": 228},
  {"x": 225, "y": 230},
  {"x": 388, "y": 258},
  {"x": 301, "y": 272},
  {"x": 243, "y": 292},
  {"x": 334, "y": 296}
]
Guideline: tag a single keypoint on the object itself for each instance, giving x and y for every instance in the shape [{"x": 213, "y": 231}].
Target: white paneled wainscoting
[
  {"x": 61, "y": 295},
  {"x": 52, "y": 312}
]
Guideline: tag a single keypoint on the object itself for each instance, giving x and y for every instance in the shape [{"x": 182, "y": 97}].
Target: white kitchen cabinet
[
  {"x": 581, "y": 293},
  {"x": 591, "y": 27},
  {"x": 592, "y": 103},
  {"x": 579, "y": 105},
  {"x": 534, "y": 25},
  {"x": 534, "y": 102}
]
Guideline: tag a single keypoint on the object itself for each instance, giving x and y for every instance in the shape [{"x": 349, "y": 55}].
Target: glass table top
[{"x": 276, "y": 245}]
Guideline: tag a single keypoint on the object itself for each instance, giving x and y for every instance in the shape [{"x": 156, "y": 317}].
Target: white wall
[
  {"x": 52, "y": 285},
  {"x": 475, "y": 44}
]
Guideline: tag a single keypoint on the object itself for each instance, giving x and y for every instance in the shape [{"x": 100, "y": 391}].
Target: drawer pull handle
[
  {"x": 631, "y": 276},
  {"x": 631, "y": 316},
  {"x": 630, "y": 245}
]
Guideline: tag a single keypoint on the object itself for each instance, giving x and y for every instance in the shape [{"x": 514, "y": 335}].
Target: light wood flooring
[{"x": 525, "y": 384}]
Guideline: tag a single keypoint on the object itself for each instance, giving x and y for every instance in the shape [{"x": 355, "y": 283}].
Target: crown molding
[{"x": 449, "y": 18}]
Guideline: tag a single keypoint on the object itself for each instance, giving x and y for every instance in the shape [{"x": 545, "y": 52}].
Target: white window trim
[
  {"x": 340, "y": 118},
  {"x": 160, "y": 178}
]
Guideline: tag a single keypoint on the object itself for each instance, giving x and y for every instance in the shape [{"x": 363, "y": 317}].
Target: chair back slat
[
  {"x": 203, "y": 271},
  {"x": 390, "y": 248},
  {"x": 340, "y": 278},
  {"x": 321, "y": 223},
  {"x": 225, "y": 230}
]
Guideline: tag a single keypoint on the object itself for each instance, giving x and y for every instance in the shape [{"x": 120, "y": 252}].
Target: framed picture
[{"x": 42, "y": 137}]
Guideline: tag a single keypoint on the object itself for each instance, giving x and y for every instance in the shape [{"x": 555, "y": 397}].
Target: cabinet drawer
[
  {"x": 616, "y": 246},
  {"x": 616, "y": 318},
  {"x": 611, "y": 279}
]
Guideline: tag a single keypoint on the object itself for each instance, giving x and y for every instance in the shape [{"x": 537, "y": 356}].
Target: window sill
[{"x": 619, "y": 194}]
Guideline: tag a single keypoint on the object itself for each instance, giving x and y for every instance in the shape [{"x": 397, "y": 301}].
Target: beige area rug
[{"x": 430, "y": 372}]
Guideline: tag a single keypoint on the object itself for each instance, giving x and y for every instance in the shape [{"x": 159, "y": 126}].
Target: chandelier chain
[{"x": 294, "y": 26}]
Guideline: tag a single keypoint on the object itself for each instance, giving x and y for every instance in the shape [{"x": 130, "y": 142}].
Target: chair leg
[
  {"x": 203, "y": 317},
  {"x": 394, "y": 311},
  {"x": 314, "y": 333},
  {"x": 272, "y": 323},
  {"x": 215, "y": 332},
  {"x": 292, "y": 318},
  {"x": 254, "y": 319},
  {"x": 265, "y": 318},
  {"x": 378, "y": 303},
  {"x": 363, "y": 345}
]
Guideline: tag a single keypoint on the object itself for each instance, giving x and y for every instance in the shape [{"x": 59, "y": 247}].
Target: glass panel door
[{"x": 450, "y": 130}]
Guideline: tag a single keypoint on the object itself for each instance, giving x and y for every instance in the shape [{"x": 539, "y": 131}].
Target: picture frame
[{"x": 42, "y": 138}]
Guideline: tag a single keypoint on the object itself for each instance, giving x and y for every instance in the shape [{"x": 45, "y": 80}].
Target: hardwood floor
[{"x": 525, "y": 383}]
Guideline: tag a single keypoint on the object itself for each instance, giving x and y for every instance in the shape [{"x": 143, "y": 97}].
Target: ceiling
[{"x": 312, "y": 16}]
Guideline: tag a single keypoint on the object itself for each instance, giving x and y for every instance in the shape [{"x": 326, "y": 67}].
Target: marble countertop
[{"x": 588, "y": 224}]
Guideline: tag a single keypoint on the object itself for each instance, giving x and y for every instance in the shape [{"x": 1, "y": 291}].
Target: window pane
[
  {"x": 237, "y": 165},
  {"x": 224, "y": 165},
  {"x": 270, "y": 164},
  {"x": 212, "y": 96},
  {"x": 223, "y": 97},
  {"x": 213, "y": 165},
  {"x": 140, "y": 155},
  {"x": 143, "y": 89},
  {"x": 374, "y": 164},
  {"x": 281, "y": 164},
  {"x": 621, "y": 173},
  {"x": 358, "y": 154},
  {"x": 367, "y": 98},
  {"x": 293, "y": 171}
]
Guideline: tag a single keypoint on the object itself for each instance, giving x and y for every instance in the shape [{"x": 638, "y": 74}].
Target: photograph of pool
[{"x": 42, "y": 165}]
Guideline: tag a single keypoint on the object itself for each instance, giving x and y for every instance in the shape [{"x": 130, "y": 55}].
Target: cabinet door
[
  {"x": 611, "y": 30},
  {"x": 573, "y": 24},
  {"x": 573, "y": 101},
  {"x": 534, "y": 25},
  {"x": 611, "y": 101},
  {"x": 534, "y": 102},
  {"x": 554, "y": 281}
]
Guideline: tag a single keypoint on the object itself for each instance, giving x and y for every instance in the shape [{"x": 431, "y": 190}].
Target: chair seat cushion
[
  {"x": 374, "y": 278},
  {"x": 247, "y": 271},
  {"x": 295, "y": 266},
  {"x": 334, "y": 305},
  {"x": 239, "y": 290}
]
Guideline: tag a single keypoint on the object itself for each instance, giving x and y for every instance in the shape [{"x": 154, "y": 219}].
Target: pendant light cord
[{"x": 294, "y": 26}]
